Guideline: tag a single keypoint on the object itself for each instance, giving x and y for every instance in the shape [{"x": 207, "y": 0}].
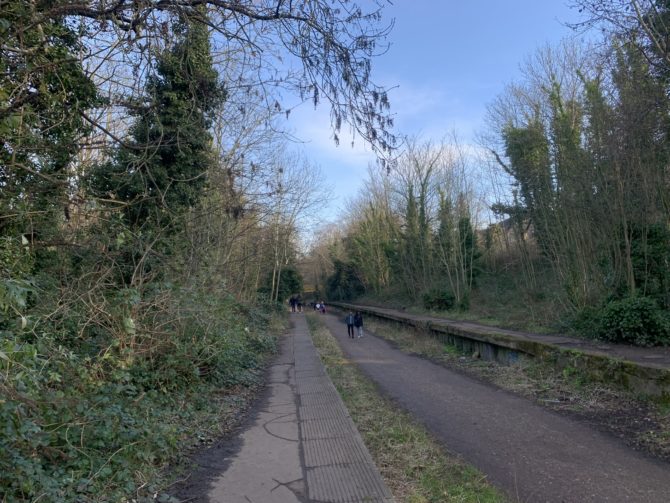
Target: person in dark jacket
[
  {"x": 358, "y": 323},
  {"x": 349, "y": 320}
]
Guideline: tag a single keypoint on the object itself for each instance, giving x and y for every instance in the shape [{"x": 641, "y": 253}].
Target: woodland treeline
[
  {"x": 569, "y": 190},
  {"x": 148, "y": 210}
]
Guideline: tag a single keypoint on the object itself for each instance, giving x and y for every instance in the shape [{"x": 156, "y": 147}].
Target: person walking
[
  {"x": 358, "y": 323},
  {"x": 349, "y": 320}
]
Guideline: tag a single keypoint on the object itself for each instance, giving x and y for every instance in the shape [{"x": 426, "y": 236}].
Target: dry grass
[{"x": 414, "y": 466}]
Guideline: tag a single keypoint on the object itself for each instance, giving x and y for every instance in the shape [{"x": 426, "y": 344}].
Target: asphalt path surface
[{"x": 531, "y": 453}]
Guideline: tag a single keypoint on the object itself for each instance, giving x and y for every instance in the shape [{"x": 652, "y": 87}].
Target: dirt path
[{"x": 531, "y": 453}]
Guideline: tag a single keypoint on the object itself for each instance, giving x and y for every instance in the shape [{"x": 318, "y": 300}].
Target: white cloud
[
  {"x": 344, "y": 167},
  {"x": 313, "y": 128},
  {"x": 409, "y": 100}
]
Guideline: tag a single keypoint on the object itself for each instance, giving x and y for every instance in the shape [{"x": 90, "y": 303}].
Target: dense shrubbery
[
  {"x": 290, "y": 283},
  {"x": 88, "y": 419},
  {"x": 344, "y": 283},
  {"x": 635, "y": 320},
  {"x": 439, "y": 300},
  {"x": 632, "y": 320}
]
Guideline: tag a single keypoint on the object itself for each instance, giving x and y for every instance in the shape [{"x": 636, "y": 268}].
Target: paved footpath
[
  {"x": 301, "y": 446},
  {"x": 533, "y": 454}
]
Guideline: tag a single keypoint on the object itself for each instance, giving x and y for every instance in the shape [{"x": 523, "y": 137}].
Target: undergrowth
[
  {"x": 502, "y": 297},
  {"x": 96, "y": 418}
]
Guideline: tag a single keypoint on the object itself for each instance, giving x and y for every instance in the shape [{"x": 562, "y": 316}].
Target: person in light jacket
[{"x": 358, "y": 323}]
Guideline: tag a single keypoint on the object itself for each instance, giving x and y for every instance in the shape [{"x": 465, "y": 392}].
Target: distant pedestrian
[
  {"x": 293, "y": 301},
  {"x": 349, "y": 320},
  {"x": 358, "y": 323},
  {"x": 323, "y": 307}
]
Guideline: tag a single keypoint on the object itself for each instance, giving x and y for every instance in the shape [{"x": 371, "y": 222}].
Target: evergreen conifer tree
[{"x": 163, "y": 171}]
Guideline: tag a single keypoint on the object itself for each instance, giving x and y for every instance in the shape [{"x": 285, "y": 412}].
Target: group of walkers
[
  {"x": 296, "y": 304},
  {"x": 352, "y": 320}
]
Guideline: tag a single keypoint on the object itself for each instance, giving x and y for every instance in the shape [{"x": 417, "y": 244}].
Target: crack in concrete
[
  {"x": 298, "y": 492},
  {"x": 265, "y": 427}
]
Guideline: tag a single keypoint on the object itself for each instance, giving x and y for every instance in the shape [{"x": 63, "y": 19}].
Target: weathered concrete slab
[
  {"x": 338, "y": 465},
  {"x": 313, "y": 385},
  {"x": 302, "y": 445},
  {"x": 345, "y": 484},
  {"x": 333, "y": 451},
  {"x": 326, "y": 396}
]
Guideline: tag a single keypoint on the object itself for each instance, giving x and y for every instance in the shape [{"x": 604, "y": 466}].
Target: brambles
[{"x": 81, "y": 422}]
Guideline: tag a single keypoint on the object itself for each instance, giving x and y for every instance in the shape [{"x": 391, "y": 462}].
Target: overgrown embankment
[
  {"x": 91, "y": 419},
  {"x": 569, "y": 193}
]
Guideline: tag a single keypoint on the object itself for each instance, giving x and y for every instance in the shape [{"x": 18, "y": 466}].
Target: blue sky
[{"x": 448, "y": 60}]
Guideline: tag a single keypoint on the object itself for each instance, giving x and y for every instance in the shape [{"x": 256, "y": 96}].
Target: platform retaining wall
[{"x": 646, "y": 380}]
